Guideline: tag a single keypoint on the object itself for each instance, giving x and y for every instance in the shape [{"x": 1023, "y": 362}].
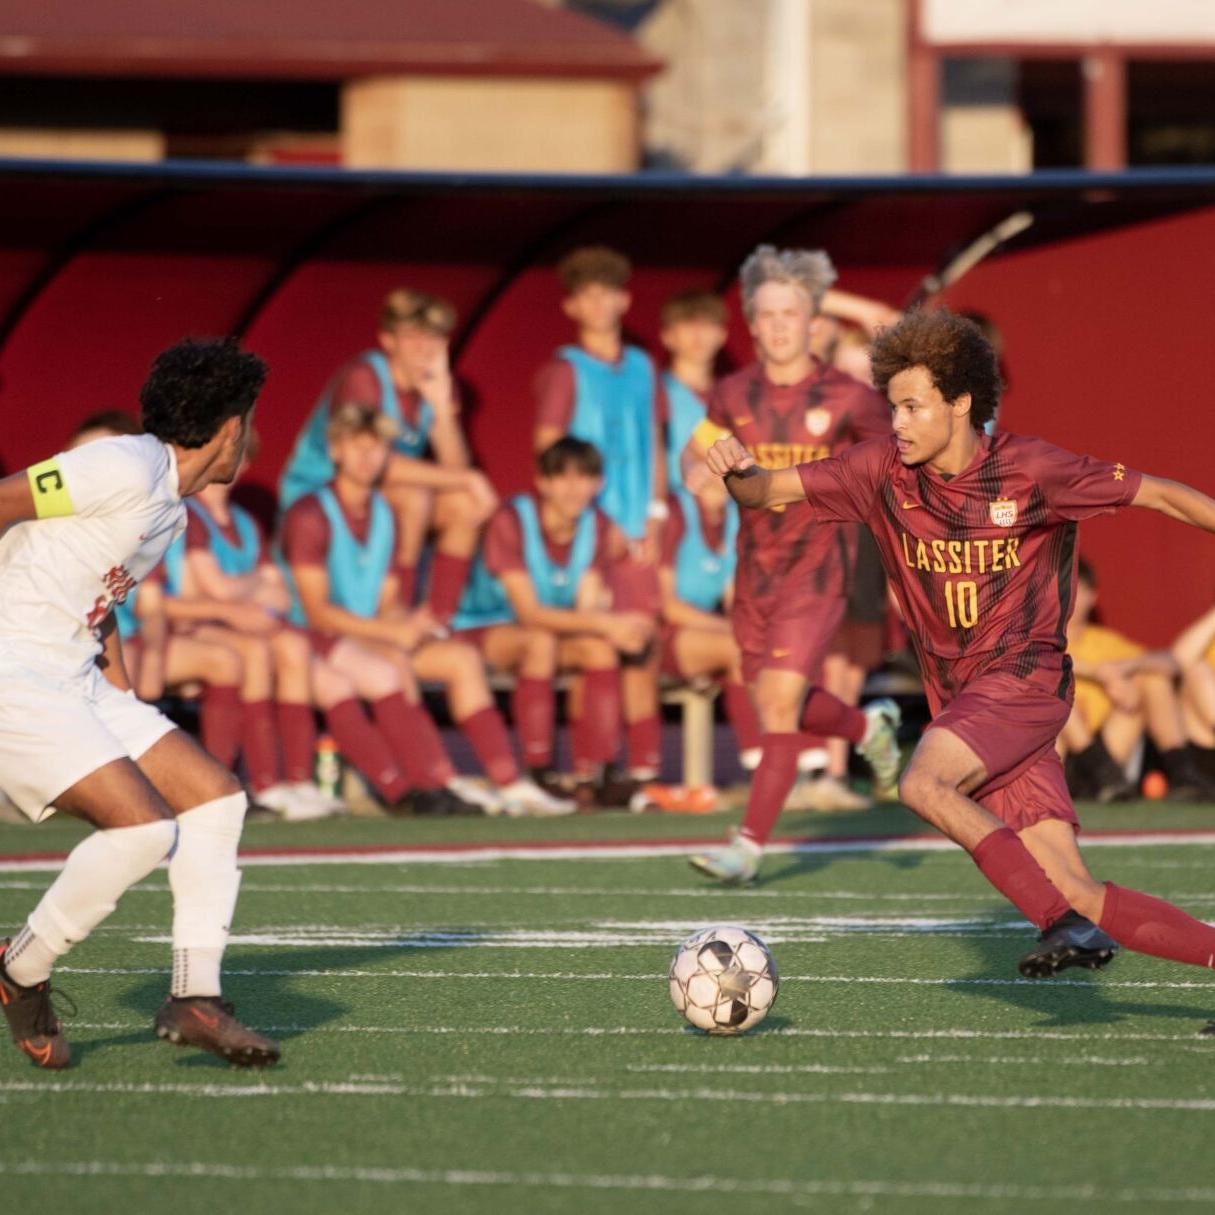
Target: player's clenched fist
[{"x": 728, "y": 455}]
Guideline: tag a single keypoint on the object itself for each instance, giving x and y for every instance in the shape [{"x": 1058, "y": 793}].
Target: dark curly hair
[
  {"x": 196, "y": 386},
  {"x": 952, "y": 349}
]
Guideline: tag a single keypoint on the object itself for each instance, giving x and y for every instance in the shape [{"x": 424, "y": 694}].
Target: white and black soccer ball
[{"x": 723, "y": 979}]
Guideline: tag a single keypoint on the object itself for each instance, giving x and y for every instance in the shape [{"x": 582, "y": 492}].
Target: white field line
[
  {"x": 699, "y": 1183},
  {"x": 531, "y": 1091},
  {"x": 1029, "y": 1060},
  {"x": 1186, "y": 1041},
  {"x": 651, "y": 977},
  {"x": 606, "y": 850}
]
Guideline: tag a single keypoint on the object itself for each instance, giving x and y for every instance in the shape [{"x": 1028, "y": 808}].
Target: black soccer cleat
[
  {"x": 207, "y": 1022},
  {"x": 32, "y": 1021},
  {"x": 1070, "y": 941}
]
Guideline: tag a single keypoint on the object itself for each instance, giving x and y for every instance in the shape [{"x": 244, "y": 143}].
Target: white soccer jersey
[{"x": 59, "y": 577}]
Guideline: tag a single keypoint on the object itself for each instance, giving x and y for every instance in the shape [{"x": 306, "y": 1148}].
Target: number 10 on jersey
[{"x": 962, "y": 604}]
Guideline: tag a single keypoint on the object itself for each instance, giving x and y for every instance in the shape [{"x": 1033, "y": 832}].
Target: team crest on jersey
[
  {"x": 1003, "y": 512},
  {"x": 818, "y": 421}
]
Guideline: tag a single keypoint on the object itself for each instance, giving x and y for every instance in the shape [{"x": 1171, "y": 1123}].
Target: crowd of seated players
[{"x": 394, "y": 566}]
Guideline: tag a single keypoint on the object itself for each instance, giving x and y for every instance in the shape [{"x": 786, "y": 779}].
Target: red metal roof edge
[{"x": 326, "y": 60}]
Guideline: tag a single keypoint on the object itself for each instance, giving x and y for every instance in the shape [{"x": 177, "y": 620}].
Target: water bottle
[{"x": 327, "y": 767}]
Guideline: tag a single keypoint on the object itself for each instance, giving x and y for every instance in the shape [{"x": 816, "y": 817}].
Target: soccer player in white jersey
[{"x": 82, "y": 529}]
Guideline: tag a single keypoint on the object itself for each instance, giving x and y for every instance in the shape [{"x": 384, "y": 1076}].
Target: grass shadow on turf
[{"x": 1078, "y": 997}]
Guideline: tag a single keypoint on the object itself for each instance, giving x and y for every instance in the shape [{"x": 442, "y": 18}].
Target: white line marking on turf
[
  {"x": 581, "y": 1092},
  {"x": 651, "y": 977},
  {"x": 698, "y": 1183},
  {"x": 606, "y": 850},
  {"x": 1031, "y": 1060},
  {"x": 1185, "y": 1040}
]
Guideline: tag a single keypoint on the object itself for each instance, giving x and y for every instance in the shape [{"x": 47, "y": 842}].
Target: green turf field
[{"x": 496, "y": 1037}]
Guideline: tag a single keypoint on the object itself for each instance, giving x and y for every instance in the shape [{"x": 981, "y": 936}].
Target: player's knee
[
  {"x": 330, "y": 687},
  {"x": 599, "y": 655},
  {"x": 540, "y": 652},
  {"x": 292, "y": 650},
  {"x": 778, "y": 712},
  {"x": 258, "y": 658},
  {"x": 379, "y": 679},
  {"x": 225, "y": 667},
  {"x": 918, "y": 786}
]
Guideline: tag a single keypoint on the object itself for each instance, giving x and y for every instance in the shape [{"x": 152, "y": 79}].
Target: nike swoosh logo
[
  {"x": 39, "y": 1054},
  {"x": 781, "y": 653},
  {"x": 912, "y": 505},
  {"x": 208, "y": 1021}
]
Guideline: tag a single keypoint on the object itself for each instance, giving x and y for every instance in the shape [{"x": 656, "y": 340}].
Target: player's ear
[
  {"x": 569, "y": 305},
  {"x": 961, "y": 405},
  {"x": 387, "y": 341}
]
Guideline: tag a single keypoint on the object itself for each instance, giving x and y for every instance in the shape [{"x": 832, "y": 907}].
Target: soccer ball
[{"x": 723, "y": 979}]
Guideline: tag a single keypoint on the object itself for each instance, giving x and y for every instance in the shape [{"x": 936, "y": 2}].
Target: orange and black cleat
[
  {"x": 207, "y": 1022},
  {"x": 32, "y": 1021}
]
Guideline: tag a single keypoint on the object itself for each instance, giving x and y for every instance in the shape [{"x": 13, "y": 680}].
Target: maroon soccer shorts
[
  {"x": 785, "y": 630},
  {"x": 1011, "y": 725}
]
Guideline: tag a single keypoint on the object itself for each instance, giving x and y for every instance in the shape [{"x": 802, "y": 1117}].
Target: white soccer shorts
[{"x": 56, "y": 730}]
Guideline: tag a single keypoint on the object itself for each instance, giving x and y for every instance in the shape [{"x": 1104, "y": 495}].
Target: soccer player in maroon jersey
[
  {"x": 793, "y": 572},
  {"x": 978, "y": 537}
]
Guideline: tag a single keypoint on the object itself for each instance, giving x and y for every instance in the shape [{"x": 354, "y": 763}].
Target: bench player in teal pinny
[
  {"x": 605, "y": 392},
  {"x": 536, "y": 605},
  {"x": 430, "y": 482},
  {"x": 339, "y": 545}
]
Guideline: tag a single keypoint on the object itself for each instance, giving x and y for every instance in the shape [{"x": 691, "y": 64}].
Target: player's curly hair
[
  {"x": 196, "y": 386},
  {"x": 952, "y": 349},
  {"x": 593, "y": 264},
  {"x": 809, "y": 269}
]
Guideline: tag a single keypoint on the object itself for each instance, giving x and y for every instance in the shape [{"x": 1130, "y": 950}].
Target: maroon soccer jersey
[
  {"x": 785, "y": 424},
  {"x": 984, "y": 563}
]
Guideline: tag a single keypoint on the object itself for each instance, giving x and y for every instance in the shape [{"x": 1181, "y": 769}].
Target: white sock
[
  {"x": 204, "y": 879},
  {"x": 98, "y": 871}
]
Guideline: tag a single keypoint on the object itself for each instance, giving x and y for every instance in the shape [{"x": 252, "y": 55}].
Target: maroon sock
[
  {"x": 532, "y": 709},
  {"x": 413, "y": 740},
  {"x": 828, "y": 715},
  {"x": 596, "y": 733},
  {"x": 220, "y": 721},
  {"x": 448, "y": 575},
  {"x": 365, "y": 747},
  {"x": 1150, "y": 925},
  {"x": 1008, "y": 865},
  {"x": 771, "y": 784},
  {"x": 407, "y": 580},
  {"x": 643, "y": 744},
  {"x": 740, "y": 710},
  {"x": 486, "y": 733},
  {"x": 297, "y": 738},
  {"x": 259, "y": 744}
]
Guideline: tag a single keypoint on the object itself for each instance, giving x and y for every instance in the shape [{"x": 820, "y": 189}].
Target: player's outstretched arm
[
  {"x": 1176, "y": 500},
  {"x": 750, "y": 485}
]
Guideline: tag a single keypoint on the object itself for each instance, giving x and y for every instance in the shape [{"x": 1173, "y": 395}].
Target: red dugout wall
[{"x": 1101, "y": 303}]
